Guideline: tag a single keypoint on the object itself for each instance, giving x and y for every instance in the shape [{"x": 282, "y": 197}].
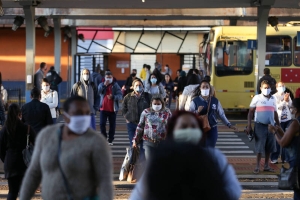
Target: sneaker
[
  {"x": 274, "y": 161},
  {"x": 110, "y": 144}
]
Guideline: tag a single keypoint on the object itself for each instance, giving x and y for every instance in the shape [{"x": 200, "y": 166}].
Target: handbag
[
  {"x": 28, "y": 151},
  {"x": 125, "y": 166},
  {"x": 289, "y": 178},
  {"x": 204, "y": 120},
  {"x": 133, "y": 166}
]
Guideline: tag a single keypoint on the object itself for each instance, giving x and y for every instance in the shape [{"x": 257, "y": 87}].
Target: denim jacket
[{"x": 116, "y": 92}]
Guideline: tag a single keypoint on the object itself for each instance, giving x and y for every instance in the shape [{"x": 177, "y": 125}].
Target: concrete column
[
  {"x": 262, "y": 14},
  {"x": 30, "y": 49},
  {"x": 73, "y": 54},
  {"x": 57, "y": 44}
]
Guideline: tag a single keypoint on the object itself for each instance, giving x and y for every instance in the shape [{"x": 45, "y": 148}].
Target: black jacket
[
  {"x": 2, "y": 113},
  {"x": 37, "y": 115},
  {"x": 54, "y": 79},
  {"x": 11, "y": 148}
]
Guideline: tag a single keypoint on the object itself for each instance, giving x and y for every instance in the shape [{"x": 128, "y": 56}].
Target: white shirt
[
  {"x": 51, "y": 99},
  {"x": 283, "y": 107}
]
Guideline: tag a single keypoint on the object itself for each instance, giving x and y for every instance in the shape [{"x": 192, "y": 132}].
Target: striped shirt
[{"x": 265, "y": 108}]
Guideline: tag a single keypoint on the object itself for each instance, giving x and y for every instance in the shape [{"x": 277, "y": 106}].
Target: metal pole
[{"x": 57, "y": 44}]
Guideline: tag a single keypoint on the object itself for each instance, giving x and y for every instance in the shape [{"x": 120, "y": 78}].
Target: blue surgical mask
[
  {"x": 153, "y": 80},
  {"x": 139, "y": 89},
  {"x": 266, "y": 92},
  {"x": 281, "y": 89},
  {"x": 189, "y": 135}
]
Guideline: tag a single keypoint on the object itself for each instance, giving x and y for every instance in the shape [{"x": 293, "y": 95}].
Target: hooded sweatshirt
[
  {"x": 184, "y": 103},
  {"x": 85, "y": 89}
]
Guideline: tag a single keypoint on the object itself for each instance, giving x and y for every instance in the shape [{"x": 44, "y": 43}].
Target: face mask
[
  {"x": 205, "y": 92},
  {"x": 46, "y": 88},
  {"x": 79, "y": 124},
  {"x": 156, "y": 107},
  {"x": 190, "y": 135},
  {"x": 133, "y": 74},
  {"x": 86, "y": 77},
  {"x": 153, "y": 80},
  {"x": 109, "y": 80},
  {"x": 166, "y": 68},
  {"x": 281, "y": 89},
  {"x": 139, "y": 89},
  {"x": 266, "y": 92}
]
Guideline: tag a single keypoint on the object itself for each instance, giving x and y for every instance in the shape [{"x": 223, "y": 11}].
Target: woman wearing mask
[
  {"x": 152, "y": 126},
  {"x": 169, "y": 87},
  {"x": 50, "y": 98},
  {"x": 13, "y": 140},
  {"x": 202, "y": 103},
  {"x": 290, "y": 139},
  {"x": 186, "y": 97},
  {"x": 154, "y": 87},
  {"x": 71, "y": 160}
]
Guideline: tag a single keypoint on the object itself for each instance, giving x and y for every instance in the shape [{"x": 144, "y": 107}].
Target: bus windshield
[{"x": 233, "y": 58}]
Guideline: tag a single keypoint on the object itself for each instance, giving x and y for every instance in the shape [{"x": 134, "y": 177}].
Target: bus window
[
  {"x": 296, "y": 53},
  {"x": 278, "y": 51},
  {"x": 233, "y": 58}
]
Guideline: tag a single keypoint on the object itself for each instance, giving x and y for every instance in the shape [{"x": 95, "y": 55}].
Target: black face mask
[{"x": 133, "y": 74}]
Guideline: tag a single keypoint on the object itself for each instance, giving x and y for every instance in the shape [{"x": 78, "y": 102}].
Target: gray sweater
[{"x": 85, "y": 160}]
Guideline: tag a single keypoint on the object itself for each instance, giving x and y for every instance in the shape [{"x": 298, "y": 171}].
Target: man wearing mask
[
  {"x": 284, "y": 103},
  {"x": 110, "y": 95},
  {"x": 39, "y": 75},
  {"x": 128, "y": 88},
  {"x": 133, "y": 105},
  {"x": 265, "y": 109},
  {"x": 87, "y": 89},
  {"x": 270, "y": 79}
]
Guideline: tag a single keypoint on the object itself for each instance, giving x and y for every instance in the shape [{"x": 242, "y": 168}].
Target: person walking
[
  {"x": 154, "y": 86},
  {"x": 50, "y": 98},
  {"x": 270, "y": 79},
  {"x": 70, "y": 160},
  {"x": 35, "y": 113},
  {"x": 186, "y": 98},
  {"x": 13, "y": 140},
  {"x": 39, "y": 75},
  {"x": 128, "y": 87},
  {"x": 181, "y": 84},
  {"x": 289, "y": 139},
  {"x": 265, "y": 109},
  {"x": 152, "y": 126},
  {"x": 212, "y": 88},
  {"x": 143, "y": 73},
  {"x": 2, "y": 114},
  {"x": 169, "y": 89},
  {"x": 53, "y": 78},
  {"x": 167, "y": 70},
  {"x": 96, "y": 76},
  {"x": 88, "y": 90},
  {"x": 203, "y": 104},
  {"x": 134, "y": 104},
  {"x": 110, "y": 95}
]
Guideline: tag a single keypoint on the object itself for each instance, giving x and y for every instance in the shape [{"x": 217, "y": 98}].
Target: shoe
[
  {"x": 269, "y": 169},
  {"x": 110, "y": 144},
  {"x": 274, "y": 161},
  {"x": 256, "y": 171}
]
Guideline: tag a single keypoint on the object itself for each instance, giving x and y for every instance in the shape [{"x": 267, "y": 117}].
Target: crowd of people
[{"x": 73, "y": 160}]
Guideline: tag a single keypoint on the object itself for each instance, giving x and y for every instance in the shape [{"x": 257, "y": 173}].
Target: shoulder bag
[
  {"x": 28, "y": 151},
  {"x": 288, "y": 178},
  {"x": 204, "y": 119}
]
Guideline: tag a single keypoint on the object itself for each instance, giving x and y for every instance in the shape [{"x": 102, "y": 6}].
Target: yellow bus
[{"x": 233, "y": 66}]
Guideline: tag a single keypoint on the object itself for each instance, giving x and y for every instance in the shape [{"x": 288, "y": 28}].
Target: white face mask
[
  {"x": 205, "y": 92},
  {"x": 156, "y": 107},
  {"x": 266, "y": 92},
  {"x": 190, "y": 135},
  {"x": 46, "y": 88},
  {"x": 79, "y": 124},
  {"x": 281, "y": 89},
  {"x": 108, "y": 79},
  {"x": 86, "y": 77}
]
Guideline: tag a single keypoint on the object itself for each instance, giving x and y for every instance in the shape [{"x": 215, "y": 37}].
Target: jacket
[
  {"x": 4, "y": 95},
  {"x": 186, "y": 97},
  {"x": 143, "y": 74},
  {"x": 11, "y": 149},
  {"x": 2, "y": 113},
  {"x": 38, "y": 78},
  {"x": 271, "y": 81},
  {"x": 133, "y": 106},
  {"x": 54, "y": 79},
  {"x": 88, "y": 90},
  {"x": 51, "y": 99},
  {"x": 215, "y": 110},
  {"x": 37, "y": 115},
  {"x": 161, "y": 89},
  {"x": 116, "y": 92}
]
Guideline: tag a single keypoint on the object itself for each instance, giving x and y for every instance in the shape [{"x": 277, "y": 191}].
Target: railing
[{"x": 14, "y": 95}]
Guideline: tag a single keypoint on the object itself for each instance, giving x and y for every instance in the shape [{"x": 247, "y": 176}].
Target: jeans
[
  {"x": 131, "y": 127},
  {"x": 112, "y": 116},
  {"x": 212, "y": 136},
  {"x": 14, "y": 184},
  {"x": 93, "y": 121},
  {"x": 149, "y": 148},
  {"x": 284, "y": 154},
  {"x": 54, "y": 120},
  {"x": 296, "y": 194}
]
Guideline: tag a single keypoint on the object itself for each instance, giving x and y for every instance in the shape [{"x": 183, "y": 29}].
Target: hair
[
  {"x": 144, "y": 65},
  {"x": 278, "y": 83},
  {"x": 190, "y": 72},
  {"x": 71, "y": 100},
  {"x": 193, "y": 79},
  {"x": 12, "y": 119},
  {"x": 207, "y": 78},
  {"x": 167, "y": 65},
  {"x": 148, "y": 67},
  {"x": 196, "y": 71},
  {"x": 167, "y": 74},
  {"x": 45, "y": 80},
  {"x": 296, "y": 104},
  {"x": 42, "y": 65},
  {"x": 158, "y": 98},
  {"x": 267, "y": 71},
  {"x": 35, "y": 93},
  {"x": 108, "y": 73},
  {"x": 137, "y": 80},
  {"x": 52, "y": 68},
  {"x": 158, "y": 77},
  {"x": 179, "y": 70},
  {"x": 134, "y": 70},
  {"x": 197, "y": 91},
  {"x": 264, "y": 82}
]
